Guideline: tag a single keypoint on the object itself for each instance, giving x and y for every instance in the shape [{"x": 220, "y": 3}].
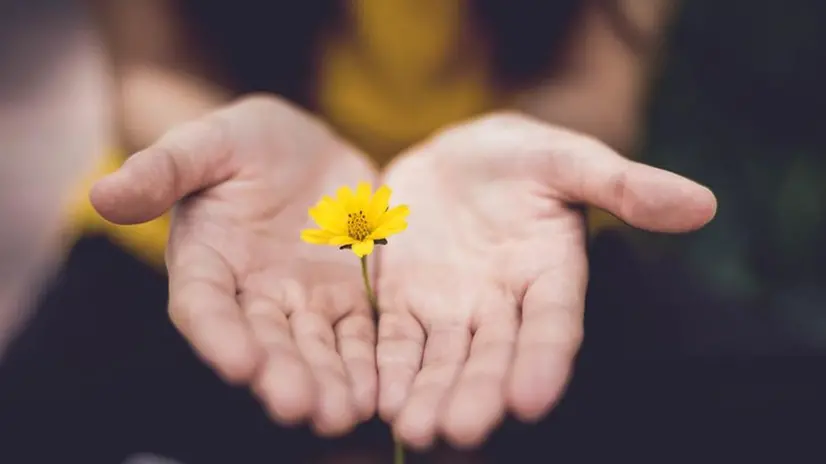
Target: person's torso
[{"x": 385, "y": 73}]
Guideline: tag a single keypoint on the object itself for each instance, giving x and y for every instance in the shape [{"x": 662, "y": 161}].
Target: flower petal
[
  {"x": 341, "y": 240},
  {"x": 316, "y": 237},
  {"x": 363, "y": 248},
  {"x": 345, "y": 198},
  {"x": 329, "y": 218},
  {"x": 392, "y": 222},
  {"x": 378, "y": 205},
  {"x": 362, "y": 200},
  {"x": 389, "y": 229},
  {"x": 401, "y": 211},
  {"x": 332, "y": 206}
]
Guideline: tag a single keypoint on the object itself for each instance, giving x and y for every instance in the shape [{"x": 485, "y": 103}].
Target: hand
[
  {"x": 482, "y": 297},
  {"x": 264, "y": 309}
]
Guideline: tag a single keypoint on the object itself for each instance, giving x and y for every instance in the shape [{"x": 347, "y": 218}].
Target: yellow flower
[{"x": 357, "y": 220}]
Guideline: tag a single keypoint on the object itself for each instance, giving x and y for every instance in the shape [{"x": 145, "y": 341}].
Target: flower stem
[
  {"x": 398, "y": 452},
  {"x": 366, "y": 276},
  {"x": 398, "y": 449}
]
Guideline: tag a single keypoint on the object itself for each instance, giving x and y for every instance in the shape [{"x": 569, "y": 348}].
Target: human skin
[
  {"x": 483, "y": 296},
  {"x": 481, "y": 299},
  {"x": 264, "y": 309},
  {"x": 574, "y": 99}
]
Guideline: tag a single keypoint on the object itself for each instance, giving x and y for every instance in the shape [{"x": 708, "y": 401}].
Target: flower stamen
[
  {"x": 356, "y": 222},
  {"x": 357, "y": 225}
]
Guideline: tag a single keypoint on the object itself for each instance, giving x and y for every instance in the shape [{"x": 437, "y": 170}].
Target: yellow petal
[
  {"x": 362, "y": 201},
  {"x": 389, "y": 229},
  {"x": 331, "y": 206},
  {"x": 363, "y": 248},
  {"x": 341, "y": 240},
  {"x": 392, "y": 222},
  {"x": 378, "y": 205},
  {"x": 329, "y": 219},
  {"x": 316, "y": 237},
  {"x": 401, "y": 211},
  {"x": 344, "y": 196}
]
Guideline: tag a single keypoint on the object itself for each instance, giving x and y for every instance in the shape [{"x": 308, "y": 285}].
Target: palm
[
  {"x": 483, "y": 295},
  {"x": 259, "y": 305},
  {"x": 462, "y": 269},
  {"x": 281, "y": 281},
  {"x": 501, "y": 237}
]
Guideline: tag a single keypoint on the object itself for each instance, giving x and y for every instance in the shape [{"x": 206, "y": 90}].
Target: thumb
[
  {"x": 587, "y": 171},
  {"x": 579, "y": 169},
  {"x": 187, "y": 159}
]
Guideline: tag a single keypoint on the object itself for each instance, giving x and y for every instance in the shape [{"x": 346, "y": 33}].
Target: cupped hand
[
  {"x": 260, "y": 306},
  {"x": 482, "y": 297}
]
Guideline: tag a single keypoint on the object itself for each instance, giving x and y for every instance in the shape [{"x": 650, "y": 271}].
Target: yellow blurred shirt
[{"x": 396, "y": 72}]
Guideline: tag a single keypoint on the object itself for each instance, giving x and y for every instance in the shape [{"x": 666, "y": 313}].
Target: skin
[
  {"x": 290, "y": 320},
  {"x": 473, "y": 324},
  {"x": 482, "y": 297},
  {"x": 600, "y": 88},
  {"x": 603, "y": 82}
]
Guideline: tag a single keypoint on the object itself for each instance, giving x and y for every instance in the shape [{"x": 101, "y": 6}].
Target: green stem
[
  {"x": 398, "y": 449},
  {"x": 398, "y": 452},
  {"x": 366, "y": 276}
]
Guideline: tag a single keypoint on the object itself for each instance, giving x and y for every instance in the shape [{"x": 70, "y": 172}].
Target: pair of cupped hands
[{"x": 481, "y": 298}]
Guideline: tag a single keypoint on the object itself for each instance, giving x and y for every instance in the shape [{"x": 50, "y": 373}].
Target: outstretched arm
[
  {"x": 603, "y": 83},
  {"x": 156, "y": 65}
]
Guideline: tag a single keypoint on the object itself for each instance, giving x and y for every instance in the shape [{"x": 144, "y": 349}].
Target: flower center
[{"x": 357, "y": 226}]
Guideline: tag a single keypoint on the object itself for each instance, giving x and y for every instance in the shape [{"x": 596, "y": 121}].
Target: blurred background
[{"x": 713, "y": 337}]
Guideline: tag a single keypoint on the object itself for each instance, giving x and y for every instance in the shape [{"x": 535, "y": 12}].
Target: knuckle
[{"x": 620, "y": 192}]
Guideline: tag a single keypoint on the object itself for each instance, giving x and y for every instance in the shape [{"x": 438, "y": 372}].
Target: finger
[
  {"x": 192, "y": 157},
  {"x": 580, "y": 169},
  {"x": 284, "y": 383},
  {"x": 203, "y": 307},
  {"x": 477, "y": 402},
  {"x": 399, "y": 358},
  {"x": 356, "y": 340},
  {"x": 445, "y": 353},
  {"x": 548, "y": 340},
  {"x": 643, "y": 196},
  {"x": 335, "y": 412}
]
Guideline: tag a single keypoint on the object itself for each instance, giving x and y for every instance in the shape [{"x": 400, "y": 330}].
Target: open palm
[
  {"x": 263, "y": 308},
  {"x": 483, "y": 295}
]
